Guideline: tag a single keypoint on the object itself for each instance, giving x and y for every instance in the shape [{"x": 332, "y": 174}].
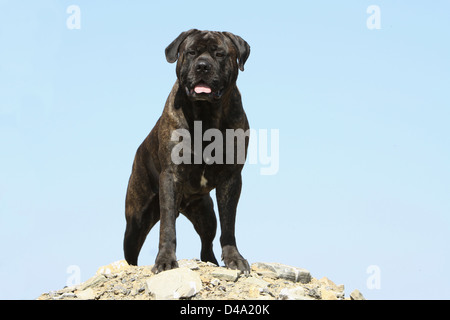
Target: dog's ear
[
  {"x": 242, "y": 47},
  {"x": 172, "y": 49}
]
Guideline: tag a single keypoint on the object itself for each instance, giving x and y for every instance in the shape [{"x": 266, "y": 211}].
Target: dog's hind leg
[
  {"x": 139, "y": 223},
  {"x": 201, "y": 213},
  {"x": 141, "y": 212}
]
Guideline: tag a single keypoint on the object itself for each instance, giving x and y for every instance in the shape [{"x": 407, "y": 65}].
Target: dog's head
[{"x": 208, "y": 62}]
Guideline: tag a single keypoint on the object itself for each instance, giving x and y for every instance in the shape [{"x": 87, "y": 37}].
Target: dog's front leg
[
  {"x": 169, "y": 200},
  {"x": 228, "y": 193}
]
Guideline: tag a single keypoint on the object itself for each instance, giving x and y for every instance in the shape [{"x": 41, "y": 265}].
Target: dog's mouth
[{"x": 202, "y": 91}]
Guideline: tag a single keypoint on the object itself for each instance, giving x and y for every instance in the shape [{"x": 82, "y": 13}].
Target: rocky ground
[{"x": 197, "y": 280}]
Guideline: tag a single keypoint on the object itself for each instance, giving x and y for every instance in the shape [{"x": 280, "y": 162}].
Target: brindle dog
[{"x": 158, "y": 190}]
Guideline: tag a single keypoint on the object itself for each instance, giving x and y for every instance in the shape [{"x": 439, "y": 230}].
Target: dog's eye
[
  {"x": 191, "y": 52},
  {"x": 220, "y": 54}
]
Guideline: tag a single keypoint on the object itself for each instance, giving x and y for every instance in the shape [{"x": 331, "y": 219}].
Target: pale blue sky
[{"x": 362, "y": 116}]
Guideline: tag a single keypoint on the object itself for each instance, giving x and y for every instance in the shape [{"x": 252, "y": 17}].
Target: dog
[{"x": 205, "y": 92}]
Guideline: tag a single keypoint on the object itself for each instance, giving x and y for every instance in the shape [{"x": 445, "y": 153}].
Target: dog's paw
[
  {"x": 164, "y": 263},
  {"x": 234, "y": 260},
  {"x": 238, "y": 264}
]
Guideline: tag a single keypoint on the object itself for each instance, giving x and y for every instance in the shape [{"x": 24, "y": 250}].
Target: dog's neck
[{"x": 209, "y": 113}]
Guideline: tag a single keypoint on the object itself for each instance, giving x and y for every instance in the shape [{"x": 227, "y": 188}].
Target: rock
[
  {"x": 331, "y": 291},
  {"x": 329, "y": 285},
  {"x": 87, "y": 294},
  {"x": 254, "y": 292},
  {"x": 69, "y": 289},
  {"x": 226, "y": 274},
  {"x": 356, "y": 295},
  {"x": 95, "y": 281},
  {"x": 314, "y": 293},
  {"x": 197, "y": 280},
  {"x": 174, "y": 284},
  {"x": 328, "y": 295},
  {"x": 68, "y": 295},
  {"x": 215, "y": 282},
  {"x": 256, "y": 287},
  {"x": 114, "y": 267},
  {"x": 256, "y": 282},
  {"x": 264, "y": 270},
  {"x": 120, "y": 289},
  {"x": 284, "y": 272},
  {"x": 191, "y": 264},
  {"x": 297, "y": 293},
  {"x": 340, "y": 295}
]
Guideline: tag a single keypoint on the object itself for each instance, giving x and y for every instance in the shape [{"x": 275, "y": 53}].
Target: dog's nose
[{"x": 203, "y": 66}]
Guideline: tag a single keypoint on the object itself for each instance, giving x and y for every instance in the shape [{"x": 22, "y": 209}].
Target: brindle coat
[{"x": 158, "y": 189}]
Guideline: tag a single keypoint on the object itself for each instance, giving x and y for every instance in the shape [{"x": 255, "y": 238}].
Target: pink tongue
[{"x": 201, "y": 88}]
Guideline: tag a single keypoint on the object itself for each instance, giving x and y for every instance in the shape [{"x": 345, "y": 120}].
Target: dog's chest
[{"x": 202, "y": 179}]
